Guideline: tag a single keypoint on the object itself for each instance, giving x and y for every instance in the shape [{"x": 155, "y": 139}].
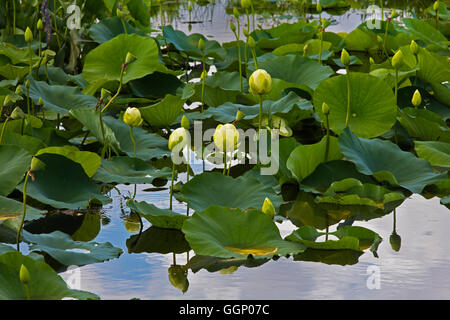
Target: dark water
[{"x": 418, "y": 271}]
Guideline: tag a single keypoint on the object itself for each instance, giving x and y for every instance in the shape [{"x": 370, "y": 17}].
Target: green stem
[
  {"x": 14, "y": 16},
  {"x": 27, "y": 291},
  {"x": 134, "y": 142},
  {"x": 321, "y": 46},
  {"x": 40, "y": 50},
  {"x": 347, "y": 119},
  {"x": 327, "y": 148},
  {"x": 171, "y": 185},
  {"x": 396, "y": 86},
  {"x": 187, "y": 176},
  {"x": 24, "y": 211},
  {"x": 255, "y": 59},
  {"x": 229, "y": 167},
  {"x": 203, "y": 84},
  {"x": 253, "y": 16},
  {"x": 31, "y": 58},
  {"x": 117, "y": 93},
  {"x": 224, "y": 163},
  {"x": 385, "y": 39},
  {"x": 3, "y": 129},
  {"x": 124, "y": 25},
  {"x": 100, "y": 118},
  {"x": 260, "y": 113},
  {"x": 56, "y": 24},
  {"x": 395, "y": 221},
  {"x": 28, "y": 100}
]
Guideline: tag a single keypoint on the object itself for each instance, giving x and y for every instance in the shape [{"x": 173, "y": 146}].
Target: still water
[{"x": 418, "y": 271}]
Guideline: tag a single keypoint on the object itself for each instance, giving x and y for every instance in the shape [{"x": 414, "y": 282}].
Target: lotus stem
[
  {"x": 27, "y": 291},
  {"x": 134, "y": 142},
  {"x": 203, "y": 85},
  {"x": 31, "y": 58},
  {"x": 3, "y": 129},
  {"x": 118, "y": 90},
  {"x": 253, "y": 17},
  {"x": 14, "y": 16},
  {"x": 255, "y": 59},
  {"x": 56, "y": 24},
  {"x": 40, "y": 50},
  {"x": 229, "y": 167},
  {"x": 224, "y": 163},
  {"x": 327, "y": 148},
  {"x": 124, "y": 25},
  {"x": 388, "y": 21},
  {"x": 24, "y": 210},
  {"x": 396, "y": 86},
  {"x": 347, "y": 120},
  {"x": 171, "y": 185},
  {"x": 395, "y": 222},
  {"x": 321, "y": 45},
  {"x": 187, "y": 174},
  {"x": 260, "y": 113},
  {"x": 28, "y": 100}
]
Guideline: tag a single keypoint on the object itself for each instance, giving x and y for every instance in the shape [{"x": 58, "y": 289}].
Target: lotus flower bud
[
  {"x": 28, "y": 35},
  {"x": 36, "y": 164},
  {"x": 130, "y": 58},
  {"x": 40, "y": 102},
  {"x": 8, "y": 101},
  {"x": 380, "y": 40},
  {"x": 226, "y": 137},
  {"x": 232, "y": 26},
  {"x": 345, "y": 58},
  {"x": 268, "y": 208},
  {"x": 245, "y": 31},
  {"x": 240, "y": 115},
  {"x": 201, "y": 44},
  {"x": 246, "y": 4},
  {"x": 397, "y": 60},
  {"x": 371, "y": 61},
  {"x": 416, "y": 99},
  {"x": 436, "y": 6},
  {"x": 17, "y": 114},
  {"x": 178, "y": 278},
  {"x": 260, "y": 82},
  {"x": 40, "y": 25},
  {"x": 185, "y": 122},
  {"x": 394, "y": 14},
  {"x": 414, "y": 47},
  {"x": 396, "y": 241},
  {"x": 204, "y": 75},
  {"x": 132, "y": 117},
  {"x": 24, "y": 275},
  {"x": 282, "y": 125},
  {"x": 19, "y": 90},
  {"x": 251, "y": 42},
  {"x": 119, "y": 13},
  {"x": 236, "y": 13},
  {"x": 178, "y": 138},
  {"x": 325, "y": 109},
  {"x": 27, "y": 84},
  {"x": 305, "y": 50},
  {"x": 319, "y": 7},
  {"x": 189, "y": 7}
]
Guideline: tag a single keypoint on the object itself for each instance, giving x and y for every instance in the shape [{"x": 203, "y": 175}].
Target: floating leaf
[
  {"x": 158, "y": 240},
  {"x": 435, "y": 152},
  {"x": 15, "y": 162},
  {"x": 162, "y": 218},
  {"x": 163, "y": 113}
]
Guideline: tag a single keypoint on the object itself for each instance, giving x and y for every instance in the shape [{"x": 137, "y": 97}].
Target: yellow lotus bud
[
  {"x": 119, "y": 13},
  {"x": 305, "y": 50},
  {"x": 414, "y": 47},
  {"x": 282, "y": 125},
  {"x": 226, "y": 137},
  {"x": 203, "y": 75},
  {"x": 24, "y": 275},
  {"x": 240, "y": 115},
  {"x": 236, "y": 13},
  {"x": 40, "y": 102},
  {"x": 8, "y": 101},
  {"x": 201, "y": 44},
  {"x": 40, "y": 25},
  {"x": 105, "y": 94},
  {"x": 185, "y": 122},
  {"x": 436, "y": 6},
  {"x": 416, "y": 99},
  {"x": 17, "y": 114},
  {"x": 394, "y": 14},
  {"x": 28, "y": 35},
  {"x": 178, "y": 278},
  {"x": 260, "y": 82},
  {"x": 371, "y": 61},
  {"x": 345, "y": 58},
  {"x": 130, "y": 58},
  {"x": 251, "y": 42},
  {"x": 19, "y": 90},
  {"x": 325, "y": 109},
  {"x": 178, "y": 138},
  {"x": 319, "y": 7},
  {"x": 132, "y": 117},
  {"x": 268, "y": 208},
  {"x": 246, "y": 4},
  {"x": 36, "y": 164},
  {"x": 397, "y": 60}
]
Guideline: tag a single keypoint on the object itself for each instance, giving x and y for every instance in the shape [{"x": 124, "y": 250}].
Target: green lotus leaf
[
  {"x": 89, "y": 161},
  {"x": 232, "y": 233},
  {"x": 62, "y": 248},
  {"x": 10, "y": 208},
  {"x": 360, "y": 40},
  {"x": 129, "y": 170},
  {"x": 207, "y": 189},
  {"x": 158, "y": 85},
  {"x": 109, "y": 28},
  {"x": 163, "y": 113},
  {"x": 346, "y": 243},
  {"x": 226, "y": 81},
  {"x": 213, "y": 264},
  {"x": 139, "y": 11},
  {"x": 420, "y": 29},
  {"x": 10, "y": 71},
  {"x": 30, "y": 144},
  {"x": 189, "y": 44},
  {"x": 104, "y": 63},
  {"x": 330, "y": 257},
  {"x": 18, "y": 55},
  {"x": 306, "y": 158},
  {"x": 373, "y": 109},
  {"x": 15, "y": 162},
  {"x": 296, "y": 70},
  {"x": 385, "y": 161},
  {"x": 60, "y": 99},
  {"x": 284, "y": 33},
  {"x": 89, "y": 229},
  {"x": 367, "y": 238},
  {"x": 75, "y": 190},
  {"x": 214, "y": 96},
  {"x": 428, "y": 101},
  {"x": 158, "y": 240},
  {"x": 433, "y": 68},
  {"x": 161, "y": 218},
  {"x": 435, "y": 152},
  {"x": 45, "y": 283},
  {"x": 148, "y": 145},
  {"x": 424, "y": 124}
]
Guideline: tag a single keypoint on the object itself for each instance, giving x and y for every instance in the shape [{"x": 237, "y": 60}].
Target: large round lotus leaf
[
  {"x": 209, "y": 188},
  {"x": 346, "y": 243},
  {"x": 63, "y": 184},
  {"x": 158, "y": 85},
  {"x": 373, "y": 109},
  {"x": 129, "y": 170},
  {"x": 10, "y": 208},
  {"x": 366, "y": 237},
  {"x": 306, "y": 158},
  {"x": 330, "y": 257},
  {"x": 158, "y": 240},
  {"x": 30, "y": 144},
  {"x": 105, "y": 62},
  {"x": 420, "y": 29},
  {"x": 386, "y": 162},
  {"x": 226, "y": 233},
  {"x": 139, "y": 11},
  {"x": 15, "y": 162},
  {"x": 163, "y": 113},
  {"x": 62, "y": 248},
  {"x": 60, "y": 99},
  {"x": 109, "y": 28},
  {"x": 424, "y": 124},
  {"x": 148, "y": 145},
  {"x": 214, "y": 264},
  {"x": 88, "y": 160},
  {"x": 296, "y": 70},
  {"x": 45, "y": 283},
  {"x": 162, "y": 218},
  {"x": 435, "y": 152}
]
